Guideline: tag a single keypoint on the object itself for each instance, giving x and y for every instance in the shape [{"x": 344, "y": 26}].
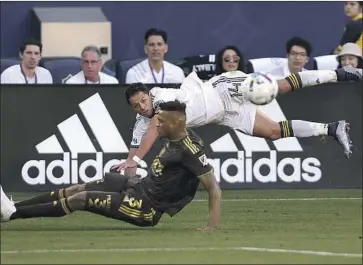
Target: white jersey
[
  {"x": 80, "y": 79},
  {"x": 239, "y": 112},
  {"x": 203, "y": 105},
  {"x": 143, "y": 73},
  {"x": 14, "y": 75},
  {"x": 227, "y": 85}
]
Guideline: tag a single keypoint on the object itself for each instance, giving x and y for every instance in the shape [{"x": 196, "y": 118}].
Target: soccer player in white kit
[{"x": 218, "y": 101}]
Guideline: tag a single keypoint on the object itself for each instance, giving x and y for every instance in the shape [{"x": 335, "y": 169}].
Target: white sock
[
  {"x": 307, "y": 129},
  {"x": 315, "y": 77}
]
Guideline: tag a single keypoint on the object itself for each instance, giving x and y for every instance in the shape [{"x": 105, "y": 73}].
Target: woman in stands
[
  {"x": 229, "y": 59},
  {"x": 353, "y": 30},
  {"x": 351, "y": 55}
]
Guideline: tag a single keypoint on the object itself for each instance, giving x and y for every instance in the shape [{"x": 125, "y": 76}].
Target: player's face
[
  {"x": 156, "y": 48},
  {"x": 165, "y": 123},
  {"x": 349, "y": 60},
  {"x": 91, "y": 65},
  {"x": 230, "y": 60},
  {"x": 352, "y": 8},
  {"x": 141, "y": 104},
  {"x": 297, "y": 58},
  {"x": 31, "y": 56}
]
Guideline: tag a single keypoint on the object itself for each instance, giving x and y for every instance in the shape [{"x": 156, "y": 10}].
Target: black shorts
[{"x": 121, "y": 198}]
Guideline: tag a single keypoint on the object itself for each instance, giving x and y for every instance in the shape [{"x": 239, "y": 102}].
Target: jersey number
[{"x": 157, "y": 167}]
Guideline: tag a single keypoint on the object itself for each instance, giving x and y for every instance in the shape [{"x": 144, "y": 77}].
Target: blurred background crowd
[{"x": 94, "y": 42}]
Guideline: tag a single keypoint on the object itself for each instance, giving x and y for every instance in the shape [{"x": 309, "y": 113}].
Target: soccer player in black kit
[{"x": 171, "y": 183}]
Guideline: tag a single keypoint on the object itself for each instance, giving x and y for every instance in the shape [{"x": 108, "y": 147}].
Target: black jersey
[{"x": 172, "y": 180}]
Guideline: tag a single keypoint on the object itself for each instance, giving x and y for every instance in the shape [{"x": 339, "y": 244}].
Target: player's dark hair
[
  {"x": 30, "y": 41},
  {"x": 219, "y": 59},
  {"x": 156, "y": 32},
  {"x": 173, "y": 106},
  {"x": 134, "y": 89},
  {"x": 297, "y": 41},
  {"x": 360, "y": 3}
]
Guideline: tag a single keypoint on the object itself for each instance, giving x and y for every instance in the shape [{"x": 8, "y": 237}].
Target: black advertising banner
[{"x": 55, "y": 136}]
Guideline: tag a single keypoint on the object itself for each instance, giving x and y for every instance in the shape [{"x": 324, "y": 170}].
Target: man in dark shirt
[{"x": 170, "y": 185}]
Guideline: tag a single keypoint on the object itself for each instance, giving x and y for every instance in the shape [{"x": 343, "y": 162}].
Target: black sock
[
  {"x": 295, "y": 81},
  {"x": 286, "y": 129},
  {"x": 43, "y": 198},
  {"x": 51, "y": 209}
]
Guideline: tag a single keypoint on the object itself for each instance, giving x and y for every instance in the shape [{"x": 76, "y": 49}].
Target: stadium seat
[
  {"x": 264, "y": 64},
  {"x": 62, "y": 68},
  {"x": 124, "y": 66},
  {"x": 7, "y": 62},
  {"x": 111, "y": 65},
  {"x": 203, "y": 65},
  {"x": 325, "y": 62}
]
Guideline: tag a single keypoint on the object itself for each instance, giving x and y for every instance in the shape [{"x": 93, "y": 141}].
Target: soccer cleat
[
  {"x": 348, "y": 73},
  {"x": 341, "y": 134},
  {"x": 7, "y": 207}
]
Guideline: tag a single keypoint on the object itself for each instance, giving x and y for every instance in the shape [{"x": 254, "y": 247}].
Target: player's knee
[
  {"x": 78, "y": 201},
  {"x": 74, "y": 189}
]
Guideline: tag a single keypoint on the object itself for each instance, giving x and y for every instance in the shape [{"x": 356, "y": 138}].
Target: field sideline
[{"x": 258, "y": 226}]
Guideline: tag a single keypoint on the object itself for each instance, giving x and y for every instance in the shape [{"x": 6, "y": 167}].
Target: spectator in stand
[
  {"x": 91, "y": 64},
  {"x": 29, "y": 71},
  {"x": 229, "y": 59},
  {"x": 298, "y": 51},
  {"x": 353, "y": 30},
  {"x": 351, "y": 55},
  {"x": 154, "y": 69}
]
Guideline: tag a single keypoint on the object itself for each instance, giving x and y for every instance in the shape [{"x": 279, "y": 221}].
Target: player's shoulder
[{"x": 192, "y": 143}]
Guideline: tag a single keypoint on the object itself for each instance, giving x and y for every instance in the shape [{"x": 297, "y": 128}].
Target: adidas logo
[
  {"x": 247, "y": 169},
  {"x": 78, "y": 140}
]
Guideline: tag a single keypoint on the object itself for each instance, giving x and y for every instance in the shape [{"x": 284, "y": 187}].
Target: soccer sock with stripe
[
  {"x": 43, "y": 198},
  {"x": 51, "y": 209},
  {"x": 311, "y": 78},
  {"x": 301, "y": 129}
]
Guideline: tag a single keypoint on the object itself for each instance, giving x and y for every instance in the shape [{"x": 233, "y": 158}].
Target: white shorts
[
  {"x": 203, "y": 102},
  {"x": 240, "y": 116}
]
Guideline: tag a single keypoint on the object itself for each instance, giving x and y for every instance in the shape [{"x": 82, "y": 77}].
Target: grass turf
[{"x": 332, "y": 225}]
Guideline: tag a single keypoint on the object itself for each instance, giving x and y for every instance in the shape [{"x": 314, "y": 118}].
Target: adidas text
[
  {"x": 73, "y": 170},
  {"x": 248, "y": 171}
]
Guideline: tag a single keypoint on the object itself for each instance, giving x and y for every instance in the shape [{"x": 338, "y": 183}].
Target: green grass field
[{"x": 270, "y": 227}]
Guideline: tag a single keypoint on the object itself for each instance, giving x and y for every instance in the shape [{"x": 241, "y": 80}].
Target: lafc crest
[{"x": 203, "y": 159}]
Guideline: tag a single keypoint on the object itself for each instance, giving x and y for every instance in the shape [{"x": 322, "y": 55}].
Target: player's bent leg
[
  {"x": 111, "y": 182},
  {"x": 265, "y": 127},
  {"x": 123, "y": 206},
  {"x": 48, "y": 196}
]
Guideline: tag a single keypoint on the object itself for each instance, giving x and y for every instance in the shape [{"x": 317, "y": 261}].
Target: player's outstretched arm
[
  {"x": 147, "y": 141},
  {"x": 209, "y": 182},
  {"x": 137, "y": 154},
  {"x": 315, "y": 77}
]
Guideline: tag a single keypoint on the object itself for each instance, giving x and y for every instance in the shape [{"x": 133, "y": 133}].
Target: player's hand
[
  {"x": 207, "y": 228},
  {"x": 129, "y": 163}
]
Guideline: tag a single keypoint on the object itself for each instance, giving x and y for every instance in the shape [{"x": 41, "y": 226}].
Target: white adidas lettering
[
  {"x": 79, "y": 142},
  {"x": 248, "y": 171}
]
